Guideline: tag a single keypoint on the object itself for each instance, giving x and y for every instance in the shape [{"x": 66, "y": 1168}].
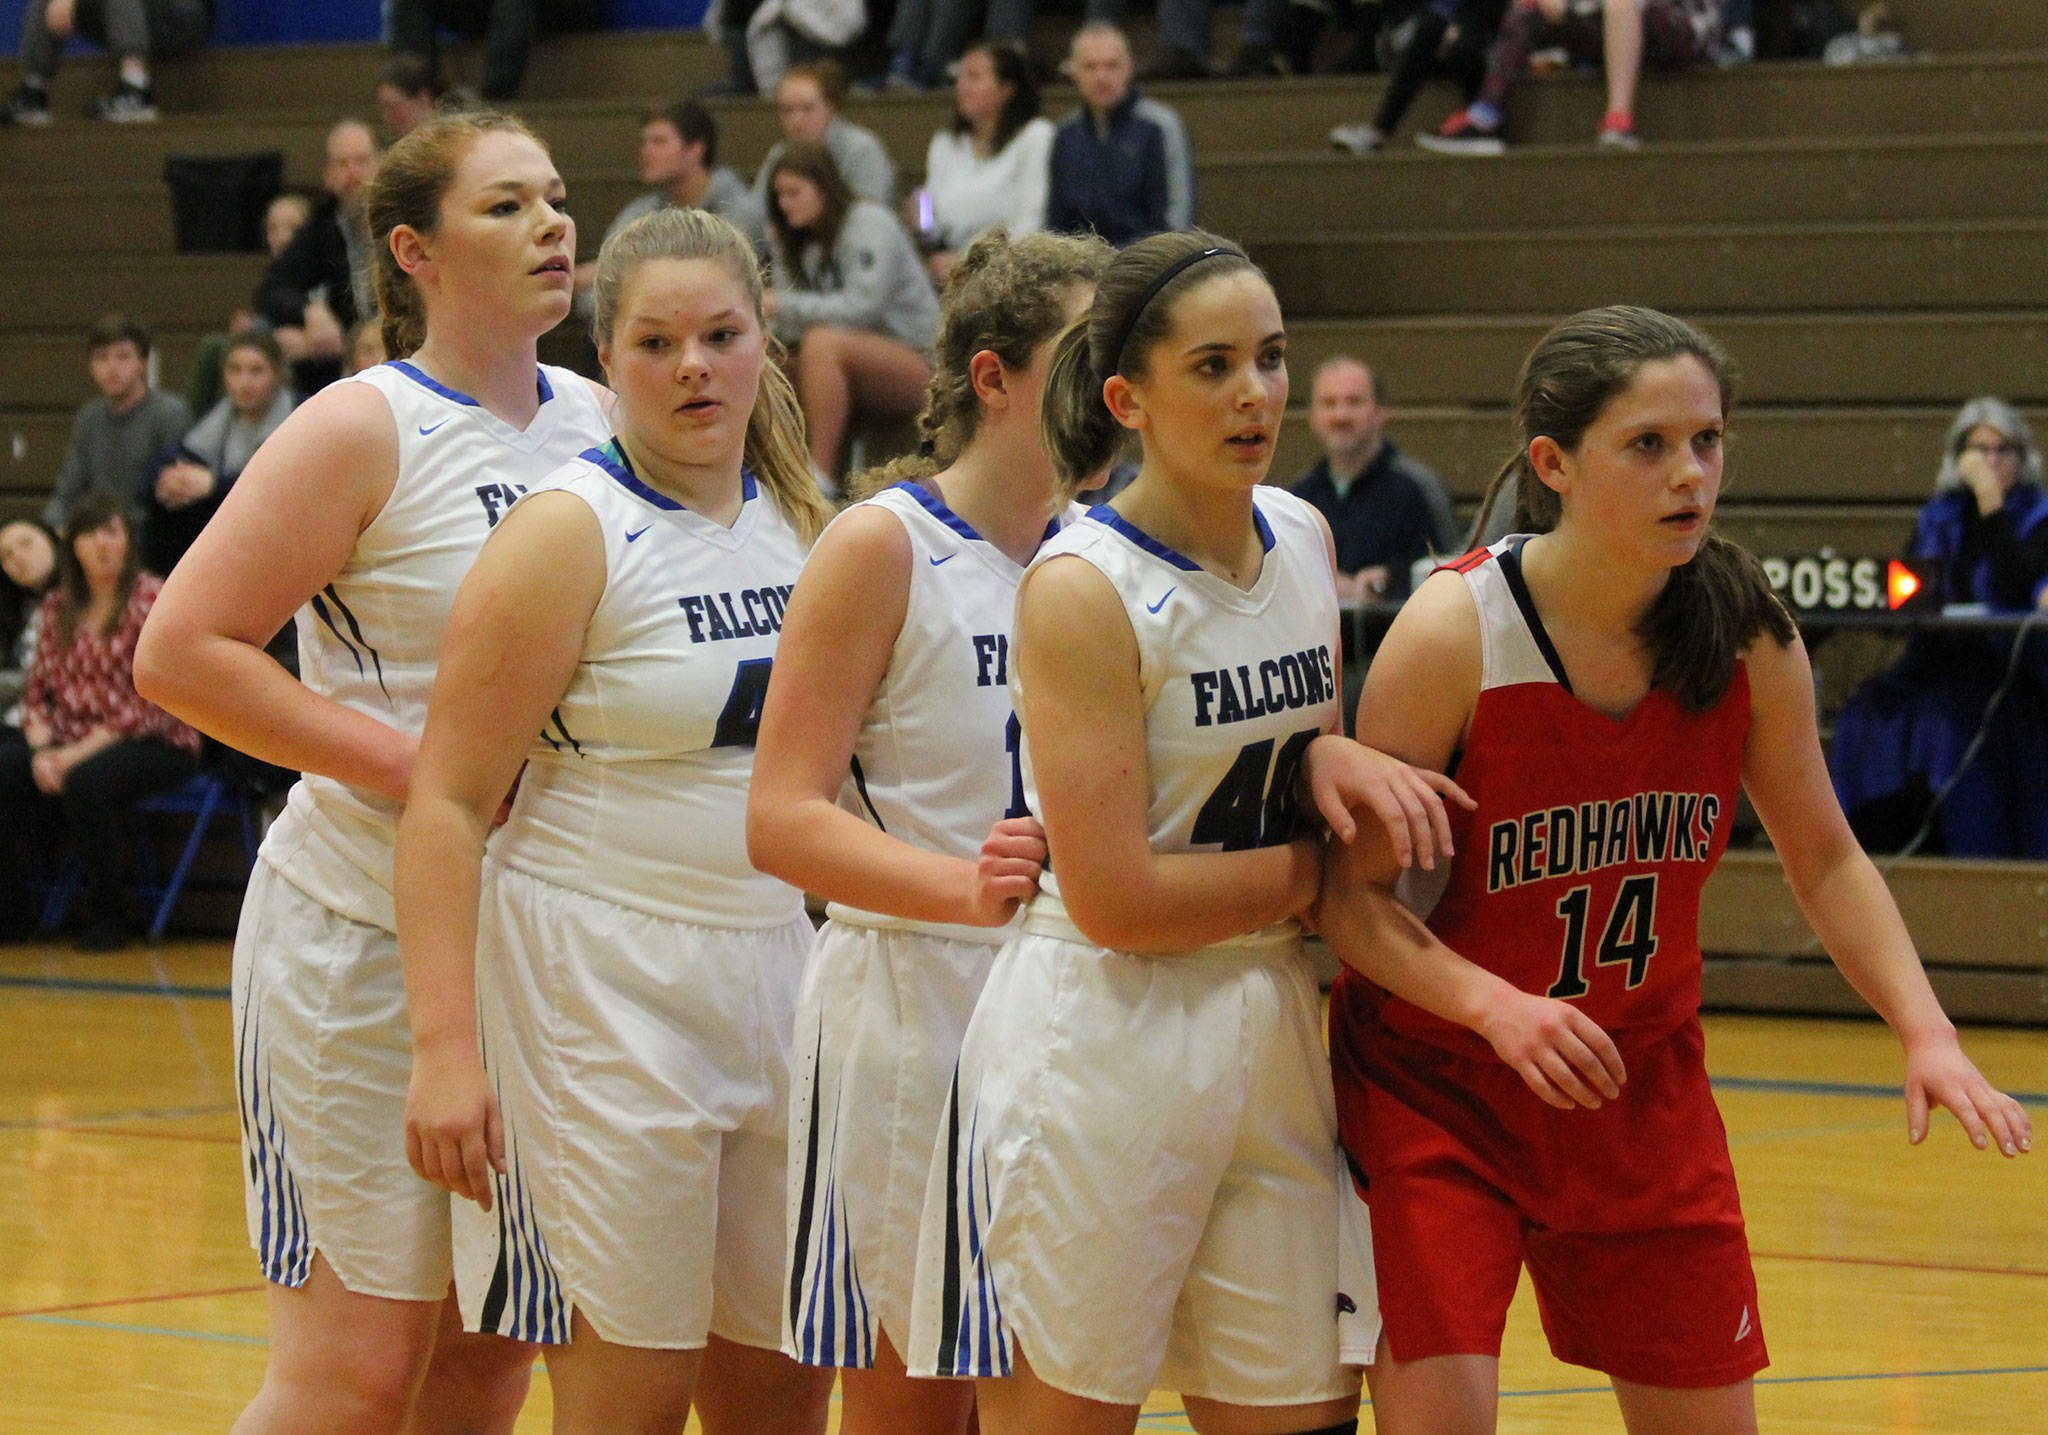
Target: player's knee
[
  {"x": 376, "y": 1389},
  {"x": 483, "y": 1377}
]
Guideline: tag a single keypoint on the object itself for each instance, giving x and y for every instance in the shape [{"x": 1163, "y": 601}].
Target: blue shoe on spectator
[
  {"x": 27, "y": 106},
  {"x": 128, "y": 105}
]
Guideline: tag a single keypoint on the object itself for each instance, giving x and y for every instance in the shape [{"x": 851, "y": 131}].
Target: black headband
[{"x": 1166, "y": 277}]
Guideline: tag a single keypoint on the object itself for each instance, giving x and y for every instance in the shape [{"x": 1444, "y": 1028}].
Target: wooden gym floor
[{"x": 1903, "y": 1290}]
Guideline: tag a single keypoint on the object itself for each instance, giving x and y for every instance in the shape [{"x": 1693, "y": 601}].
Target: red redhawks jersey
[{"x": 1579, "y": 874}]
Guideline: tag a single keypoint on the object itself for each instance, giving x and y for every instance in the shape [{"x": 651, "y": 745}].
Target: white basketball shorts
[
  {"x": 323, "y": 1056},
  {"x": 1139, "y": 1180},
  {"x": 878, "y": 1030},
  {"x": 642, "y": 1069}
]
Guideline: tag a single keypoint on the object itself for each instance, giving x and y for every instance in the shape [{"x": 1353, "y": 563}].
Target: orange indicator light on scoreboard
[{"x": 1901, "y": 583}]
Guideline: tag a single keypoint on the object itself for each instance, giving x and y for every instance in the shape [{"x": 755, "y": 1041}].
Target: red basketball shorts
[{"x": 1626, "y": 1216}]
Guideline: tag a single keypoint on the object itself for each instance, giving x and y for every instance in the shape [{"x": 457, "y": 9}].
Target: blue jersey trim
[
  {"x": 1102, "y": 513},
  {"x": 545, "y": 389},
  {"x": 936, "y": 507},
  {"x": 612, "y": 459}
]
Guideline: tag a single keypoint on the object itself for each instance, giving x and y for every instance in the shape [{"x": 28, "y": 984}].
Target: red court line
[
  {"x": 1900, "y": 1265},
  {"x": 130, "y": 1300}
]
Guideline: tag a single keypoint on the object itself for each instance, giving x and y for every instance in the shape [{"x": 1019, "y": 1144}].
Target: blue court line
[
  {"x": 145, "y": 1330},
  {"x": 1788, "y": 1087},
  {"x": 149, "y": 989}
]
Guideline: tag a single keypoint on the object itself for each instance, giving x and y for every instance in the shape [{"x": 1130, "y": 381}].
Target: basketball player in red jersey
[{"x": 1519, "y": 1062}]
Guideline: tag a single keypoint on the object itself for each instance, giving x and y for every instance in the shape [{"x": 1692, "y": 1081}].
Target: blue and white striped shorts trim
[
  {"x": 284, "y": 1246},
  {"x": 973, "y": 1339},
  {"x": 525, "y": 1300},
  {"x": 830, "y": 1320}
]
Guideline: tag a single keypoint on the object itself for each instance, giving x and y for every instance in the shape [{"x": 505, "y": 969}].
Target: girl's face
[
  {"x": 284, "y": 218},
  {"x": 27, "y": 556},
  {"x": 977, "y": 92},
  {"x": 250, "y": 380},
  {"x": 803, "y": 203},
  {"x": 1647, "y": 473},
  {"x": 1215, "y": 386},
  {"x": 685, "y": 360},
  {"x": 506, "y": 245},
  {"x": 801, "y": 109},
  {"x": 102, "y": 552},
  {"x": 2000, "y": 455}
]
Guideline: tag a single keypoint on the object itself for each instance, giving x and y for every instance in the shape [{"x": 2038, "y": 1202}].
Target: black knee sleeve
[{"x": 1343, "y": 1427}]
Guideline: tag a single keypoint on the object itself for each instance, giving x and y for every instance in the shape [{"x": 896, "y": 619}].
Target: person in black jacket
[
  {"x": 313, "y": 293},
  {"x": 1120, "y": 163}
]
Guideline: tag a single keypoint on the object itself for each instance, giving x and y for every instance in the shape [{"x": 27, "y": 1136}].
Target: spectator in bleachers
[
  {"x": 1385, "y": 509},
  {"x": 94, "y": 745},
  {"x": 1452, "y": 36},
  {"x": 117, "y": 437},
  {"x": 209, "y": 459},
  {"x": 1621, "y": 34},
  {"x": 507, "y": 29},
  {"x": 851, "y": 300},
  {"x": 319, "y": 286},
  {"x": 679, "y": 165},
  {"x": 406, "y": 94},
  {"x": 136, "y": 31},
  {"x": 807, "y": 104},
  {"x": 365, "y": 347},
  {"x": 28, "y": 566},
  {"x": 1903, "y": 734},
  {"x": 989, "y": 166},
  {"x": 1120, "y": 163},
  {"x": 1184, "y": 39},
  {"x": 285, "y": 217}
]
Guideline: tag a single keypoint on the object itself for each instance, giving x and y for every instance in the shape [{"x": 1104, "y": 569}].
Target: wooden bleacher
[{"x": 1871, "y": 243}]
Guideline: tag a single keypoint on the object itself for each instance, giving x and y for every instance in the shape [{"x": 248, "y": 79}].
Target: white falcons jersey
[
  {"x": 1235, "y": 682},
  {"x": 935, "y": 761},
  {"x": 636, "y": 791},
  {"x": 371, "y": 639}
]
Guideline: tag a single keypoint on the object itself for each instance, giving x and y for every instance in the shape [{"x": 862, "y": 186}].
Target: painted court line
[
  {"x": 1900, "y": 1265},
  {"x": 128, "y": 1300},
  {"x": 104, "y": 988},
  {"x": 1787, "y": 1087},
  {"x": 90, "y": 1123},
  {"x": 147, "y": 1330}
]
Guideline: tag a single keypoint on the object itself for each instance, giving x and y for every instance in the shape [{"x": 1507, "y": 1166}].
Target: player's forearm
[
  {"x": 1181, "y": 902},
  {"x": 1375, "y": 935},
  {"x": 816, "y": 845},
  {"x": 239, "y": 694},
  {"x": 438, "y": 886},
  {"x": 1858, "y": 923}
]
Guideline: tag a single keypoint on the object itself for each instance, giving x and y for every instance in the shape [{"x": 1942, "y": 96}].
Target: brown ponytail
[
  {"x": 412, "y": 178},
  {"x": 1116, "y": 336},
  {"x": 1006, "y": 296},
  {"x": 775, "y": 448},
  {"x": 1714, "y": 606}
]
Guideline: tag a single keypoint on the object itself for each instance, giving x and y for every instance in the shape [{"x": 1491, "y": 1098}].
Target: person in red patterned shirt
[{"x": 95, "y": 745}]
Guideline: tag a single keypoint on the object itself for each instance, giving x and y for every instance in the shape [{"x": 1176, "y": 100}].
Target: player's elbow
[
  {"x": 159, "y": 666},
  {"x": 768, "y": 849}
]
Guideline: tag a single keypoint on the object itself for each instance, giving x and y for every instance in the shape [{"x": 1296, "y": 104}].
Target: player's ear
[
  {"x": 1551, "y": 464},
  {"x": 991, "y": 384},
  {"x": 409, "y": 248},
  {"x": 1123, "y": 402}
]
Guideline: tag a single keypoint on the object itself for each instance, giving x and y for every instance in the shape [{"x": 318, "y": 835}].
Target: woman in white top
[
  {"x": 633, "y": 977},
  {"x": 362, "y": 513},
  {"x": 851, "y": 300},
  {"x": 1138, "y": 1180},
  {"x": 989, "y": 166},
  {"x": 892, "y": 669}
]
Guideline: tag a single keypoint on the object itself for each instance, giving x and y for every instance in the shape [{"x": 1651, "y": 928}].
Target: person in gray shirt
[
  {"x": 851, "y": 299},
  {"x": 679, "y": 164},
  {"x": 807, "y": 104},
  {"x": 119, "y": 438}
]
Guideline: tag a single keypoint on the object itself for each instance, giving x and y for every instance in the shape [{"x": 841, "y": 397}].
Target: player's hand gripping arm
[
  {"x": 1083, "y": 715},
  {"x": 1843, "y": 896},
  {"x": 836, "y": 642},
  {"x": 512, "y": 645},
  {"x": 282, "y": 534},
  {"x": 1417, "y": 701}
]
